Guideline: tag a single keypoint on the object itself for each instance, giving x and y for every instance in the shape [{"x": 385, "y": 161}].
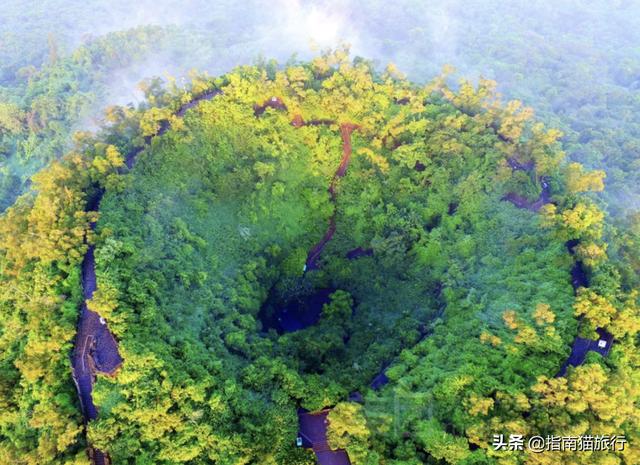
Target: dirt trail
[
  {"x": 95, "y": 348},
  {"x": 313, "y": 426},
  {"x": 299, "y": 122},
  {"x": 534, "y": 206},
  {"x": 580, "y": 346},
  {"x": 346, "y": 129},
  {"x": 274, "y": 102}
]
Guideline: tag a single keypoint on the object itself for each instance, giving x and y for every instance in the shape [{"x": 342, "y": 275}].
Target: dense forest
[
  {"x": 415, "y": 252},
  {"x": 575, "y": 62}
]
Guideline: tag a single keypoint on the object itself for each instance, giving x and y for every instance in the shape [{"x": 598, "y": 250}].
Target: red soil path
[
  {"x": 346, "y": 129},
  {"x": 313, "y": 426}
]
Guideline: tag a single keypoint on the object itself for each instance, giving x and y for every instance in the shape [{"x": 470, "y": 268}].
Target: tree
[
  {"x": 348, "y": 430},
  {"x": 596, "y": 309},
  {"x": 440, "y": 444},
  {"x": 579, "y": 181}
]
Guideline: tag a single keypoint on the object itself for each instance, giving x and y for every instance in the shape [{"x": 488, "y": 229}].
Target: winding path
[
  {"x": 580, "y": 346},
  {"x": 95, "y": 348},
  {"x": 346, "y": 129},
  {"x": 313, "y": 425},
  {"x": 534, "y": 206},
  {"x": 313, "y": 432}
]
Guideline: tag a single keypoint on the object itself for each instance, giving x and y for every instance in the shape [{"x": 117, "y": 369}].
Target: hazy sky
[{"x": 563, "y": 57}]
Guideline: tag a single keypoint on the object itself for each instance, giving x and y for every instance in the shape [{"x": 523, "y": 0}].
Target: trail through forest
[
  {"x": 317, "y": 424},
  {"x": 581, "y": 346},
  {"x": 534, "y": 206},
  {"x": 312, "y": 426},
  {"x": 346, "y": 129},
  {"x": 95, "y": 348}
]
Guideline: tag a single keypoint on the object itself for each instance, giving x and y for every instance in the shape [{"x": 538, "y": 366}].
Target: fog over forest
[
  {"x": 291, "y": 232},
  {"x": 572, "y": 61}
]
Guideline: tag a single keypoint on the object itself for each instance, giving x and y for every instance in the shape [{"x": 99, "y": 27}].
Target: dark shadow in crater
[{"x": 294, "y": 314}]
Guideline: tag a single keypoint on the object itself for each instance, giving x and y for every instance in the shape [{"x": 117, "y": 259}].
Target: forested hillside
[
  {"x": 446, "y": 266},
  {"x": 218, "y": 223},
  {"x": 575, "y": 62}
]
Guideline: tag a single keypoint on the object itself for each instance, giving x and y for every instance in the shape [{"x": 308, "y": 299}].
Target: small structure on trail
[
  {"x": 604, "y": 343},
  {"x": 274, "y": 102},
  {"x": 582, "y": 346},
  {"x": 313, "y": 435}
]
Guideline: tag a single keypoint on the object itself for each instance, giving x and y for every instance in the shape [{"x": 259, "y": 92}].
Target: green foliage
[
  {"x": 39, "y": 112},
  {"x": 465, "y": 296},
  {"x": 348, "y": 430}
]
